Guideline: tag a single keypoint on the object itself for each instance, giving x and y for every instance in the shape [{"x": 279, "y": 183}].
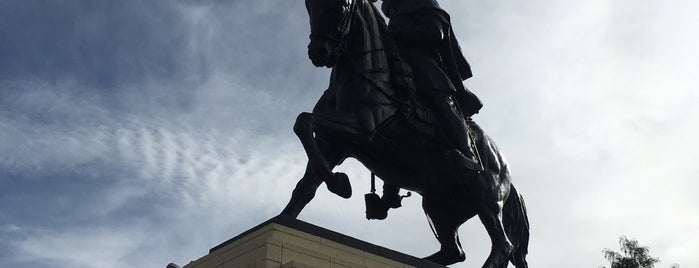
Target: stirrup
[{"x": 376, "y": 209}]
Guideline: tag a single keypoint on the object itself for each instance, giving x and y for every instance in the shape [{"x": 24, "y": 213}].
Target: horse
[{"x": 366, "y": 114}]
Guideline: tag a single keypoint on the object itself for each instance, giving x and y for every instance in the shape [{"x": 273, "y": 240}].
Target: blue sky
[{"x": 140, "y": 133}]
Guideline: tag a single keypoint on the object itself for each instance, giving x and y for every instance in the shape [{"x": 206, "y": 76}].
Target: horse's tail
[{"x": 516, "y": 225}]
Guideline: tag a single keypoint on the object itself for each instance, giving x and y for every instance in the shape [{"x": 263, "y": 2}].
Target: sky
[{"x": 139, "y": 133}]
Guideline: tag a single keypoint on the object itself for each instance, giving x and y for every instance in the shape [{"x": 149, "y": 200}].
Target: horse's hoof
[
  {"x": 339, "y": 184},
  {"x": 447, "y": 258}
]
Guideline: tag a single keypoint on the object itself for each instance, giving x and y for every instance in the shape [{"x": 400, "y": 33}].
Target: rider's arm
[{"x": 420, "y": 29}]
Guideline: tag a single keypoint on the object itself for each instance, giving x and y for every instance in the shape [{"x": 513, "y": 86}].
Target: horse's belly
[{"x": 410, "y": 169}]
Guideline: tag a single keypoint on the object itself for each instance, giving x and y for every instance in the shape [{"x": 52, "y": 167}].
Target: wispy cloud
[{"x": 137, "y": 134}]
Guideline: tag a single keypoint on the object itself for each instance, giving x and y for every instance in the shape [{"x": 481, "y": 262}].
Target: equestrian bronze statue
[{"x": 378, "y": 110}]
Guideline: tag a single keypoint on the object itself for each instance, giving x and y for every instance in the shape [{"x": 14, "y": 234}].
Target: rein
[
  {"x": 338, "y": 38},
  {"x": 371, "y": 82},
  {"x": 355, "y": 66}
]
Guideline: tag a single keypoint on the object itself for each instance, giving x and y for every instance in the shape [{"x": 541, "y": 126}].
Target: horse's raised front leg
[
  {"x": 306, "y": 187},
  {"x": 337, "y": 183},
  {"x": 303, "y": 193}
]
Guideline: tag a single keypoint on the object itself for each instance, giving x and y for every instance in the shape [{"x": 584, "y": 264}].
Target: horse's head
[{"x": 330, "y": 23}]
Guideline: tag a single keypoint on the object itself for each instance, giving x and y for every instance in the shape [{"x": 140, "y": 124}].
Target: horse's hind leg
[
  {"x": 445, "y": 223},
  {"x": 491, "y": 217}
]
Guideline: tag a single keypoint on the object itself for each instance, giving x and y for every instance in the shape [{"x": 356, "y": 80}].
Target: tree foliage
[{"x": 632, "y": 255}]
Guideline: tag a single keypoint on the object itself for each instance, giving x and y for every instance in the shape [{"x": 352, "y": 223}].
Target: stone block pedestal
[{"x": 284, "y": 242}]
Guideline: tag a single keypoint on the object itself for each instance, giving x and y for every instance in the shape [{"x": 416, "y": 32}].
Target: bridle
[{"x": 338, "y": 36}]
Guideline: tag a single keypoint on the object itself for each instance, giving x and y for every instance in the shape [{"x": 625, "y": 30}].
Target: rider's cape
[{"x": 453, "y": 61}]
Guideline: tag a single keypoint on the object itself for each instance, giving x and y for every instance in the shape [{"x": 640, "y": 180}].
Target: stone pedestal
[{"x": 283, "y": 242}]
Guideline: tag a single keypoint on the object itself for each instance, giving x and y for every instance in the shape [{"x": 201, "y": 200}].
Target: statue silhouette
[{"x": 373, "y": 112}]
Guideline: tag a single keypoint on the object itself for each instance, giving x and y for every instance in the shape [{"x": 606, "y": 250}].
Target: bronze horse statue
[{"x": 369, "y": 113}]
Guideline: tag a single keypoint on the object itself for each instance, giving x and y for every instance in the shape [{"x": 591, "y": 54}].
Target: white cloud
[
  {"x": 592, "y": 102},
  {"x": 82, "y": 247}
]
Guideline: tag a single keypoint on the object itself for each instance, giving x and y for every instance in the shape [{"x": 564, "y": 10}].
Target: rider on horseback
[{"x": 425, "y": 40}]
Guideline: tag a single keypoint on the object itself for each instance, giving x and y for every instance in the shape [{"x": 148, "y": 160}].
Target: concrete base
[{"x": 284, "y": 242}]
